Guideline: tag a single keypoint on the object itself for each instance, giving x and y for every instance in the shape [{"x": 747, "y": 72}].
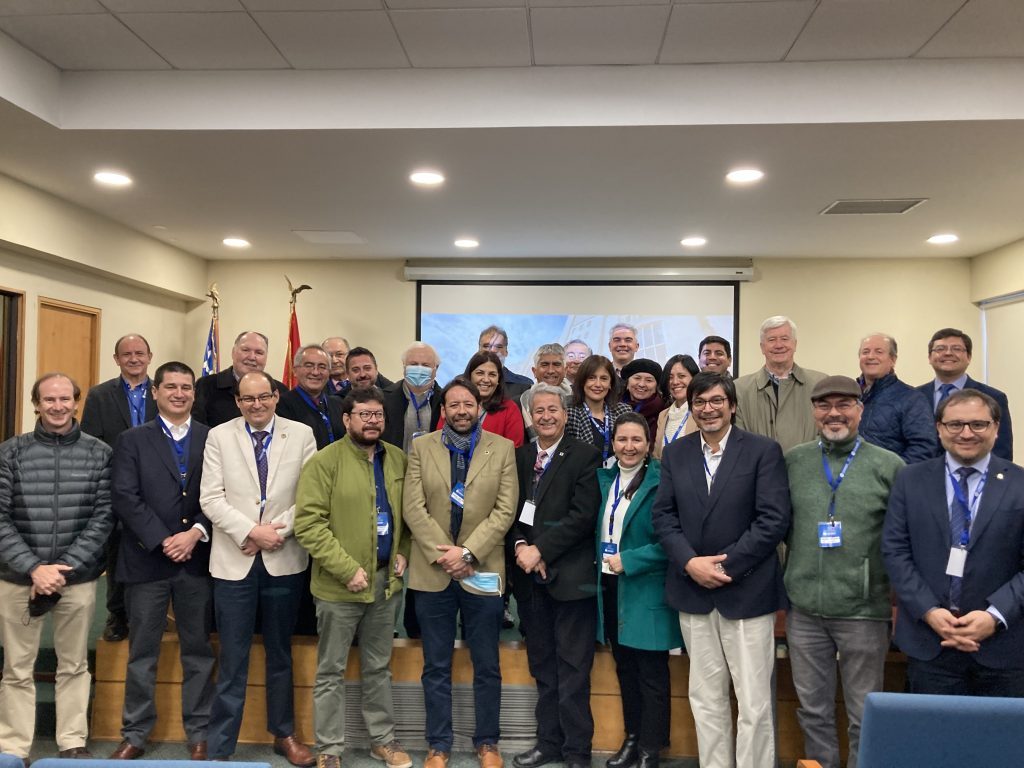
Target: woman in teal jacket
[{"x": 632, "y": 615}]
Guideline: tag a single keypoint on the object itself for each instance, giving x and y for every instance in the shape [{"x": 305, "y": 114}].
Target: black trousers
[
  {"x": 643, "y": 678},
  {"x": 560, "y": 640}
]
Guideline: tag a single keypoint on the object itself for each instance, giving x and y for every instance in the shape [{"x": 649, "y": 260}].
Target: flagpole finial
[{"x": 296, "y": 291}]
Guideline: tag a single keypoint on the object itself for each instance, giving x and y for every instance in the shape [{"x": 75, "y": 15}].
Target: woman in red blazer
[{"x": 500, "y": 416}]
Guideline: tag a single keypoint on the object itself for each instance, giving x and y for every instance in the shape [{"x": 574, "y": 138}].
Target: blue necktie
[
  {"x": 957, "y": 527},
  {"x": 945, "y": 391},
  {"x": 261, "y": 461}
]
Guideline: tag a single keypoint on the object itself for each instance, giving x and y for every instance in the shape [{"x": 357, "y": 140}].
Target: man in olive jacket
[
  {"x": 348, "y": 515},
  {"x": 838, "y": 589}
]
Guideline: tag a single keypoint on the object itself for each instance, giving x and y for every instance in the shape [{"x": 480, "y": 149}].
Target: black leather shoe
[
  {"x": 576, "y": 762},
  {"x": 648, "y": 759},
  {"x": 534, "y": 758},
  {"x": 116, "y": 628},
  {"x": 626, "y": 756}
]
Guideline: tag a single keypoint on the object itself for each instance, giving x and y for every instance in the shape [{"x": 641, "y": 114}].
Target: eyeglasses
[
  {"x": 956, "y": 427},
  {"x": 369, "y": 415},
  {"x": 843, "y": 406},
  {"x": 715, "y": 402},
  {"x": 316, "y": 366},
  {"x": 266, "y": 397},
  {"x": 956, "y": 349}
]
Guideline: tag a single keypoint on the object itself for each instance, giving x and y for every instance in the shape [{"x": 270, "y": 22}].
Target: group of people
[{"x": 619, "y": 500}]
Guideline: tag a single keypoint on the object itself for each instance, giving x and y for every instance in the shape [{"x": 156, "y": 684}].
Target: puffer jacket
[
  {"x": 899, "y": 418},
  {"x": 54, "y": 504}
]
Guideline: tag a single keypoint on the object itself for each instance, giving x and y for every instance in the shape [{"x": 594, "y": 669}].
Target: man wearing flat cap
[{"x": 838, "y": 589}]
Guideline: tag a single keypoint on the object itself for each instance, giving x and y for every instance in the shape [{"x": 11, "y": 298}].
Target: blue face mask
[
  {"x": 418, "y": 375},
  {"x": 485, "y": 582}
]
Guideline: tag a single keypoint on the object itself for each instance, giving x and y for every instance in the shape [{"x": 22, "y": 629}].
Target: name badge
[
  {"x": 383, "y": 524},
  {"x": 830, "y": 534},
  {"x": 529, "y": 510},
  {"x": 957, "y": 561},
  {"x": 459, "y": 495},
  {"x": 609, "y": 548}
]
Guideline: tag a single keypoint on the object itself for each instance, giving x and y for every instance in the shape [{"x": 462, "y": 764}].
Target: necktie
[
  {"x": 261, "y": 461},
  {"x": 944, "y": 391},
  {"x": 538, "y": 470},
  {"x": 957, "y": 526}
]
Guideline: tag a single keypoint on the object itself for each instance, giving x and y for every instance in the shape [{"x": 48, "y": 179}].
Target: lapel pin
[
  {"x": 561, "y": 453},
  {"x": 999, "y": 476}
]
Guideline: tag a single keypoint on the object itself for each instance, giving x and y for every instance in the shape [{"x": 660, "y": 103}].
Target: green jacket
[
  {"x": 787, "y": 419},
  {"x": 645, "y": 621},
  {"x": 848, "y": 581},
  {"x": 336, "y": 521}
]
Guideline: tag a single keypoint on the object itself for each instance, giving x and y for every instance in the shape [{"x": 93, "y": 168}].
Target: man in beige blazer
[
  {"x": 250, "y": 471},
  {"x": 461, "y": 493}
]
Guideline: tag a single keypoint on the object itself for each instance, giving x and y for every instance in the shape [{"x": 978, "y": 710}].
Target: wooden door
[{"x": 68, "y": 341}]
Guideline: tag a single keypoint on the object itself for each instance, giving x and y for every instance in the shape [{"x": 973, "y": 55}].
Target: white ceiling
[{"x": 263, "y": 117}]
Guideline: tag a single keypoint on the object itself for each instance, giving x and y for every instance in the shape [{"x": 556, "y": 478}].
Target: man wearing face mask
[
  {"x": 412, "y": 406},
  {"x": 460, "y": 498}
]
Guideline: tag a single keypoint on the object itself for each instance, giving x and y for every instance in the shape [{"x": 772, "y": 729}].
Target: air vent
[
  {"x": 865, "y": 207},
  {"x": 329, "y": 237}
]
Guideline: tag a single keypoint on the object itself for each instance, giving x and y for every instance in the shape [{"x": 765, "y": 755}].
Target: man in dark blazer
[
  {"x": 949, "y": 354},
  {"x": 215, "y": 393},
  {"x": 412, "y": 405},
  {"x": 310, "y": 401},
  {"x": 155, "y": 475},
  {"x": 121, "y": 403},
  {"x": 722, "y": 509},
  {"x": 553, "y": 543},
  {"x": 954, "y": 558}
]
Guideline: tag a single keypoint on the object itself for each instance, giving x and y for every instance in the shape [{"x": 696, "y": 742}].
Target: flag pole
[{"x": 293, "y": 332}]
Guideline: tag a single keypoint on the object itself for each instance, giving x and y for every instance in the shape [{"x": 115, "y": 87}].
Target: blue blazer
[
  {"x": 106, "y": 415},
  {"x": 745, "y": 516},
  {"x": 1004, "y": 440},
  {"x": 145, "y": 490},
  {"x": 915, "y": 544}
]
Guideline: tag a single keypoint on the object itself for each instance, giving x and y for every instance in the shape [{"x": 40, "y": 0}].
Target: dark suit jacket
[
  {"x": 1004, "y": 440},
  {"x": 215, "y": 398},
  {"x": 395, "y": 404},
  {"x": 745, "y": 516},
  {"x": 293, "y": 407},
  {"x": 106, "y": 415},
  {"x": 916, "y": 541},
  {"x": 146, "y": 495},
  {"x": 568, "y": 501}
]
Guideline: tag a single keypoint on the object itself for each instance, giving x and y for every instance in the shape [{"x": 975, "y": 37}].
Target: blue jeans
[
  {"x": 481, "y": 625},
  {"x": 236, "y": 604}
]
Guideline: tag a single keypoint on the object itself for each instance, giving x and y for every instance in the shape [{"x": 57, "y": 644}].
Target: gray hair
[
  {"x": 324, "y": 342},
  {"x": 416, "y": 345},
  {"x": 776, "y": 321},
  {"x": 887, "y": 337},
  {"x": 628, "y": 327},
  {"x": 581, "y": 342},
  {"x": 542, "y": 388},
  {"x": 243, "y": 334},
  {"x": 548, "y": 349},
  {"x": 303, "y": 349}
]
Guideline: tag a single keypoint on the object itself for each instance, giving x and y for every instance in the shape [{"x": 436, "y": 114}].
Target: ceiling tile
[
  {"x": 870, "y": 29},
  {"x": 982, "y": 28},
  {"x": 334, "y": 40},
  {"x": 733, "y": 32},
  {"x": 173, "y": 6},
  {"x": 48, "y": 7},
  {"x": 627, "y": 34},
  {"x": 439, "y": 4},
  {"x": 206, "y": 40},
  {"x": 488, "y": 37},
  {"x": 82, "y": 42},
  {"x": 313, "y": 5}
]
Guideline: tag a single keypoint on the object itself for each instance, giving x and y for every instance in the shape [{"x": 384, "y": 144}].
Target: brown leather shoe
[
  {"x": 436, "y": 759},
  {"x": 126, "y": 751},
  {"x": 76, "y": 753},
  {"x": 197, "y": 751},
  {"x": 294, "y": 751},
  {"x": 489, "y": 756}
]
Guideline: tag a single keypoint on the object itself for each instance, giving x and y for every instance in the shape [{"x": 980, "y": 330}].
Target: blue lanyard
[
  {"x": 419, "y": 406},
  {"x": 678, "y": 430},
  {"x": 615, "y": 504},
  {"x": 605, "y": 432},
  {"x": 969, "y": 509},
  {"x": 136, "y": 401},
  {"x": 834, "y": 483},
  {"x": 179, "y": 451},
  {"x": 324, "y": 416}
]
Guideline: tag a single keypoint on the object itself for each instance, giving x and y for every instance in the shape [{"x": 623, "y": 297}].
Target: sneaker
[
  {"x": 392, "y": 754},
  {"x": 489, "y": 756},
  {"x": 328, "y": 761}
]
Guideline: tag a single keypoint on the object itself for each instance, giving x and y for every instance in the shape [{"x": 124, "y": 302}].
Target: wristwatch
[{"x": 467, "y": 556}]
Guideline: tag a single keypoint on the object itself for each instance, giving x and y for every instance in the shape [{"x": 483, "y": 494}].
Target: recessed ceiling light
[
  {"x": 112, "y": 178},
  {"x": 236, "y": 242},
  {"x": 426, "y": 177},
  {"x": 693, "y": 242},
  {"x": 943, "y": 239},
  {"x": 744, "y": 175},
  {"x": 467, "y": 242}
]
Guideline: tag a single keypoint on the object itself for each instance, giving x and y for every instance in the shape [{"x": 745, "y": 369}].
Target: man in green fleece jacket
[
  {"x": 835, "y": 577},
  {"x": 348, "y": 515}
]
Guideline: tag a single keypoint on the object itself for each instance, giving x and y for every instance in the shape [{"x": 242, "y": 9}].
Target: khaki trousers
[{"x": 19, "y": 635}]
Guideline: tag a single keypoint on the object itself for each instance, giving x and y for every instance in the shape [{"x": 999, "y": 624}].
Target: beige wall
[{"x": 998, "y": 273}]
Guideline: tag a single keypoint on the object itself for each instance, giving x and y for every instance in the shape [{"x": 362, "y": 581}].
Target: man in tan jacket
[{"x": 461, "y": 493}]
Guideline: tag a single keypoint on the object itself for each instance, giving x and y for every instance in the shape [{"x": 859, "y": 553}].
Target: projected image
[{"x": 455, "y": 336}]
